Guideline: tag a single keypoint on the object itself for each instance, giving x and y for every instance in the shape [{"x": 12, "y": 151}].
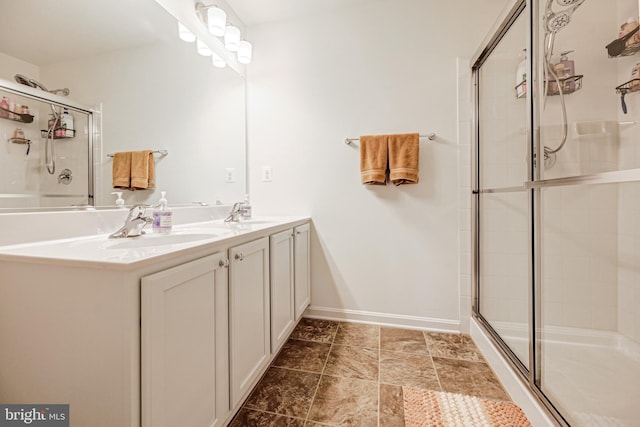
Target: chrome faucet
[
  {"x": 236, "y": 213},
  {"x": 134, "y": 223}
]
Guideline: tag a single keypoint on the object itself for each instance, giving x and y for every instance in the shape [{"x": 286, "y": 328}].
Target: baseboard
[
  {"x": 513, "y": 383},
  {"x": 383, "y": 319}
]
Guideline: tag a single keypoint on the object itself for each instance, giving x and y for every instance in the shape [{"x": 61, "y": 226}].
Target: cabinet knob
[
  {"x": 224, "y": 263},
  {"x": 239, "y": 256}
]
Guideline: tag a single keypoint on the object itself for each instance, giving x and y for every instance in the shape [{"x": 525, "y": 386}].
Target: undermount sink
[{"x": 157, "y": 239}]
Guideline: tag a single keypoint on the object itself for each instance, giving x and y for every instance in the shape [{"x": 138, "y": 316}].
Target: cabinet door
[
  {"x": 302, "y": 269},
  {"x": 184, "y": 345},
  {"x": 281, "y": 283},
  {"x": 248, "y": 315}
]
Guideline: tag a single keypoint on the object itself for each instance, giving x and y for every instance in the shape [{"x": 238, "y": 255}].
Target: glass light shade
[
  {"x": 217, "y": 21},
  {"x": 244, "y": 52},
  {"x": 203, "y": 49},
  {"x": 232, "y": 38},
  {"x": 217, "y": 61},
  {"x": 185, "y": 34}
]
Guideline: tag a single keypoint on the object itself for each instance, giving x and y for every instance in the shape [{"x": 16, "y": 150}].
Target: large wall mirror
[{"x": 150, "y": 90}]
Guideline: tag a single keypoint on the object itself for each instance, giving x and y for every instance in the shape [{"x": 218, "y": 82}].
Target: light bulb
[
  {"x": 217, "y": 61},
  {"x": 217, "y": 21},
  {"x": 185, "y": 34},
  {"x": 203, "y": 49},
  {"x": 244, "y": 52},
  {"x": 232, "y": 38}
]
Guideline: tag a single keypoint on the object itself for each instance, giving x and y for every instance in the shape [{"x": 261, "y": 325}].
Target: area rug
[{"x": 428, "y": 408}]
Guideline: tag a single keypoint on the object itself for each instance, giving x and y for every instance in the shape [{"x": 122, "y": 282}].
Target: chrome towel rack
[
  {"x": 430, "y": 136},
  {"x": 161, "y": 152}
]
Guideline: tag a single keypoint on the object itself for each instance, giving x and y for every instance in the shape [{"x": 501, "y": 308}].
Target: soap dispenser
[
  {"x": 246, "y": 208},
  {"x": 119, "y": 200},
  {"x": 162, "y": 217}
]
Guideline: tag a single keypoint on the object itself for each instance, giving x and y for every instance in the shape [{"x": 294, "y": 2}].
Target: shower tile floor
[{"x": 348, "y": 374}]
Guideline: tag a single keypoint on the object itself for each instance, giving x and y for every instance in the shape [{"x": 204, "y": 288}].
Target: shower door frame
[{"x": 531, "y": 377}]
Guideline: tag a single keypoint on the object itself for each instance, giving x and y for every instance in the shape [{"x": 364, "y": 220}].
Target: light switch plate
[{"x": 267, "y": 174}]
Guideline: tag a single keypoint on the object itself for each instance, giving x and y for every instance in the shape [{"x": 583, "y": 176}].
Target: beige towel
[
  {"x": 142, "y": 170},
  {"x": 121, "y": 170},
  {"x": 404, "y": 152},
  {"x": 373, "y": 159}
]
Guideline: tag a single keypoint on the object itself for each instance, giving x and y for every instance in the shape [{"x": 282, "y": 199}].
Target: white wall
[{"x": 383, "y": 67}]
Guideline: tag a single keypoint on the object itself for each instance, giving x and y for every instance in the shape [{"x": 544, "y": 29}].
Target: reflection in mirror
[{"x": 149, "y": 90}]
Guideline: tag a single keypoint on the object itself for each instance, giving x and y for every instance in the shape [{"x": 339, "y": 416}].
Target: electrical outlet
[
  {"x": 230, "y": 175},
  {"x": 267, "y": 174}
]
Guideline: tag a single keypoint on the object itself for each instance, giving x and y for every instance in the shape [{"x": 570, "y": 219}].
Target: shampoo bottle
[
  {"x": 119, "y": 200},
  {"x": 565, "y": 69},
  {"x": 162, "y": 217},
  {"x": 66, "y": 123}
]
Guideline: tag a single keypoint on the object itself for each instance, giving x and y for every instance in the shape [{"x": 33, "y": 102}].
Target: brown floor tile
[
  {"x": 249, "y": 417},
  {"x": 391, "y": 406},
  {"x": 303, "y": 355},
  {"x": 358, "y": 335},
  {"x": 284, "y": 392},
  {"x": 345, "y": 402},
  {"x": 315, "y": 330},
  {"x": 353, "y": 362},
  {"x": 471, "y": 378},
  {"x": 406, "y": 369},
  {"x": 453, "y": 346},
  {"x": 407, "y": 341}
]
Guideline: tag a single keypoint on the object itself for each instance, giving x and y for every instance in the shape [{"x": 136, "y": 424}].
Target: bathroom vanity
[{"x": 157, "y": 330}]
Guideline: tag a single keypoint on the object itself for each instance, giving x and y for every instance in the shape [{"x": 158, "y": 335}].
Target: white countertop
[{"x": 100, "y": 251}]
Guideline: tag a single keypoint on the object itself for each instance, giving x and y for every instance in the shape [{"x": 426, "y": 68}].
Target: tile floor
[{"x": 348, "y": 374}]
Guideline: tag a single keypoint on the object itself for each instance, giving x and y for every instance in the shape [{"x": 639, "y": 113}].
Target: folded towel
[
  {"x": 373, "y": 159},
  {"x": 142, "y": 170},
  {"x": 404, "y": 151},
  {"x": 121, "y": 170}
]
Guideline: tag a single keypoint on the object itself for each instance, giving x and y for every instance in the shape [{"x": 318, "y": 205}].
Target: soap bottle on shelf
[
  {"x": 66, "y": 123},
  {"x": 565, "y": 69},
  {"x": 162, "y": 217},
  {"x": 521, "y": 75},
  {"x": 4, "y": 105}
]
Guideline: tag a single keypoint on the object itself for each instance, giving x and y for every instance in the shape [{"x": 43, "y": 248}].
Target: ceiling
[{"x": 255, "y": 12}]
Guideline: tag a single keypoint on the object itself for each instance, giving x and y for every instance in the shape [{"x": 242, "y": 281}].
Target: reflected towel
[
  {"x": 121, "y": 170},
  {"x": 373, "y": 159},
  {"x": 142, "y": 170},
  {"x": 404, "y": 153}
]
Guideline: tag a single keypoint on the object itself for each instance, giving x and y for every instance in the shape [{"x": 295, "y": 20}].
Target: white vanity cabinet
[
  {"x": 185, "y": 360},
  {"x": 249, "y": 319},
  {"x": 302, "y": 269},
  {"x": 282, "y": 291}
]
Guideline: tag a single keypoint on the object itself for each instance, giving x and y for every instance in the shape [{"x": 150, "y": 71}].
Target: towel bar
[
  {"x": 430, "y": 136},
  {"x": 161, "y": 152}
]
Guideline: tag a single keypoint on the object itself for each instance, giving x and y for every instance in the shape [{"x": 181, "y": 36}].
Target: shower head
[
  {"x": 556, "y": 21},
  {"x": 30, "y": 82},
  {"x": 36, "y": 84}
]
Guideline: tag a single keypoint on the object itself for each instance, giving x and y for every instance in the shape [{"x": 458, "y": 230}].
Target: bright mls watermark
[{"x": 34, "y": 415}]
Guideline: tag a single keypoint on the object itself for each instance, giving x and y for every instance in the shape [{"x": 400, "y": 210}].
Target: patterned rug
[{"x": 428, "y": 408}]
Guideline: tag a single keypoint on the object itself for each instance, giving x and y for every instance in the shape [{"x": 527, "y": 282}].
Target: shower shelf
[
  {"x": 29, "y": 118},
  {"x": 569, "y": 85},
  {"x": 20, "y": 140},
  {"x": 44, "y": 133},
  {"x": 631, "y": 49},
  {"x": 630, "y": 86}
]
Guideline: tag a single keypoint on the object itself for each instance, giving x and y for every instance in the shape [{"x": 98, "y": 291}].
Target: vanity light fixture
[
  {"x": 203, "y": 49},
  {"x": 185, "y": 34},
  {"x": 232, "y": 38},
  {"x": 244, "y": 52},
  {"x": 217, "y": 61},
  {"x": 216, "y": 21}
]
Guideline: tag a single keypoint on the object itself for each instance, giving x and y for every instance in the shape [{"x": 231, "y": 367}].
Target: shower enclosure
[
  {"x": 557, "y": 203},
  {"x": 47, "y": 160}
]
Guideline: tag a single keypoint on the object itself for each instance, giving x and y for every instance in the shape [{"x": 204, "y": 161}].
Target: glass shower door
[{"x": 503, "y": 203}]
